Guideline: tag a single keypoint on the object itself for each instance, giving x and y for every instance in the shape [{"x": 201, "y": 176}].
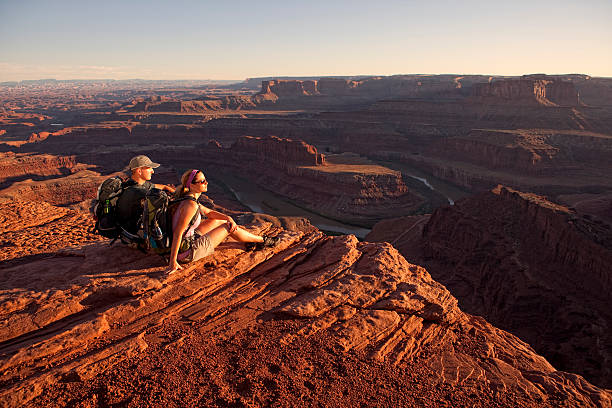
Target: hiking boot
[{"x": 268, "y": 242}]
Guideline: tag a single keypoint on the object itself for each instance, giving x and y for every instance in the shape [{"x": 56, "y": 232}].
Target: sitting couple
[{"x": 188, "y": 226}]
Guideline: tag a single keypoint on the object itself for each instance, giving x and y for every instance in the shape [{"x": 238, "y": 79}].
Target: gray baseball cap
[{"x": 142, "y": 161}]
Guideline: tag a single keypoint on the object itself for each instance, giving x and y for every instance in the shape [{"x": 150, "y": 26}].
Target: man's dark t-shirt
[{"x": 129, "y": 206}]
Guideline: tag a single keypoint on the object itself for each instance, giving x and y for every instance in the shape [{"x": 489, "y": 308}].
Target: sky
[{"x": 234, "y": 40}]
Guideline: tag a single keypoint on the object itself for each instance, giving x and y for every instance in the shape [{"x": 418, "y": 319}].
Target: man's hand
[{"x": 166, "y": 187}]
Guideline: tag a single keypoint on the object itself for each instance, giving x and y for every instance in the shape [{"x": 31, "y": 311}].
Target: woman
[{"x": 204, "y": 235}]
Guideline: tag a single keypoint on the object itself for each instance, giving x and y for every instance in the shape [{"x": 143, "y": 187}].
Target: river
[
  {"x": 263, "y": 201},
  {"x": 448, "y": 190},
  {"x": 424, "y": 181}
]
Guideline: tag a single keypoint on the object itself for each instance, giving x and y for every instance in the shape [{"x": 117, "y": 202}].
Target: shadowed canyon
[{"x": 445, "y": 240}]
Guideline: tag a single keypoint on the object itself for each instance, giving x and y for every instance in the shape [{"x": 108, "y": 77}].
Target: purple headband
[{"x": 190, "y": 179}]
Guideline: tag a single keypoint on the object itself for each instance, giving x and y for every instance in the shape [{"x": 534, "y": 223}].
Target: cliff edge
[{"x": 315, "y": 320}]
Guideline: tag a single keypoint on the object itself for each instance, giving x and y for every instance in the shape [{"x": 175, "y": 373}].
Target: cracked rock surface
[{"x": 316, "y": 320}]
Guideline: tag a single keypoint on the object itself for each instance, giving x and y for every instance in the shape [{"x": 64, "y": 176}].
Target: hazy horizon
[
  {"x": 236, "y": 81},
  {"x": 188, "y": 39}
]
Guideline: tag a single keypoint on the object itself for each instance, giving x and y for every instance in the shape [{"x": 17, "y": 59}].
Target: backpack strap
[
  {"x": 124, "y": 185},
  {"x": 183, "y": 199},
  {"x": 128, "y": 183},
  {"x": 185, "y": 245},
  {"x": 178, "y": 200}
]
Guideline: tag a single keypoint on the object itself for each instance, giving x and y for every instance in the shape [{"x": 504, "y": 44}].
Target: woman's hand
[
  {"x": 173, "y": 267},
  {"x": 231, "y": 224}
]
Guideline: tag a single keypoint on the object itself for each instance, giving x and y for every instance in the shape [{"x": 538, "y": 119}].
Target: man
[{"x": 129, "y": 206}]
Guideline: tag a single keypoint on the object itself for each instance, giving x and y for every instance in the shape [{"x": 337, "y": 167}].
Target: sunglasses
[{"x": 200, "y": 182}]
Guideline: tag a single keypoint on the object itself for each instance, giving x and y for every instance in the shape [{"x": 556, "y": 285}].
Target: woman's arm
[
  {"x": 186, "y": 212},
  {"x": 216, "y": 215}
]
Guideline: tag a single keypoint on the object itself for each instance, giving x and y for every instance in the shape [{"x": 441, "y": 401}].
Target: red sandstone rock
[
  {"x": 289, "y": 88},
  {"x": 530, "y": 266},
  {"x": 447, "y": 372},
  {"x": 527, "y": 91},
  {"x": 537, "y": 152},
  {"x": 348, "y": 320},
  {"x": 18, "y": 165},
  {"x": 281, "y": 153},
  {"x": 404, "y": 233},
  {"x": 361, "y": 194},
  {"x": 594, "y": 91},
  {"x": 335, "y": 86},
  {"x": 206, "y": 105},
  {"x": 71, "y": 189}
]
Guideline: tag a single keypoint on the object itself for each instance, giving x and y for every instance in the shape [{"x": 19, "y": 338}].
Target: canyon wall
[
  {"x": 290, "y": 168},
  {"x": 352, "y": 193},
  {"x": 528, "y": 91},
  {"x": 283, "y": 153},
  {"x": 289, "y": 88},
  {"x": 369, "y": 87},
  {"x": 328, "y": 320},
  {"x": 202, "y": 105},
  {"x": 14, "y": 165},
  {"x": 319, "y": 320},
  {"x": 533, "y": 267}
]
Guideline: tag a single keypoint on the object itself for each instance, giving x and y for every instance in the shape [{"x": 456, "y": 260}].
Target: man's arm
[{"x": 165, "y": 187}]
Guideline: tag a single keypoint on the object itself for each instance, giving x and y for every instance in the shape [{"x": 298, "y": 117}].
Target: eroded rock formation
[
  {"x": 368, "y": 87},
  {"x": 361, "y": 194},
  {"x": 289, "y": 88},
  {"x": 282, "y": 153},
  {"x": 317, "y": 319},
  {"x": 18, "y": 165},
  {"x": 526, "y": 151},
  {"x": 533, "y": 267},
  {"x": 527, "y": 91},
  {"x": 202, "y": 105}
]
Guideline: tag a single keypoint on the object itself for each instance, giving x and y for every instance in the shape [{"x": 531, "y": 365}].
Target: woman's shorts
[{"x": 200, "y": 248}]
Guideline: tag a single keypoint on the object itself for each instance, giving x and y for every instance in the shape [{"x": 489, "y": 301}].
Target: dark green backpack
[
  {"x": 157, "y": 213},
  {"x": 105, "y": 206}
]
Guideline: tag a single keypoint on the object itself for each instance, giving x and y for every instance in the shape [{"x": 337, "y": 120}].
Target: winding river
[
  {"x": 263, "y": 201},
  {"x": 424, "y": 181}
]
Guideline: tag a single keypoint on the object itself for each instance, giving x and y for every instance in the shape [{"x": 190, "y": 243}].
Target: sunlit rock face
[
  {"x": 341, "y": 320},
  {"x": 289, "y": 88},
  {"x": 279, "y": 152},
  {"x": 358, "y": 193},
  {"x": 533, "y": 267},
  {"x": 528, "y": 90},
  {"x": 316, "y": 320}
]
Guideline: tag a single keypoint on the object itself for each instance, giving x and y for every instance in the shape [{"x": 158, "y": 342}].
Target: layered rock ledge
[
  {"x": 528, "y": 265},
  {"x": 315, "y": 320},
  {"x": 339, "y": 187}
]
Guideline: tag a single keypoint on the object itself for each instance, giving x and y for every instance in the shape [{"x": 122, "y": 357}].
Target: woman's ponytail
[{"x": 182, "y": 190}]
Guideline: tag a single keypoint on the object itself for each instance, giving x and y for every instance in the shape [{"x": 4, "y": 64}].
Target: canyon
[
  {"x": 342, "y": 187},
  {"x": 315, "y": 319},
  {"x": 485, "y": 279},
  {"x": 535, "y": 268}
]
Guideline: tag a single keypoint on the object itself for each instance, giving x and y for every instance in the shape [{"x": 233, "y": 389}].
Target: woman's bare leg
[
  {"x": 243, "y": 235},
  {"x": 217, "y": 232},
  {"x": 208, "y": 225},
  {"x": 217, "y": 235}
]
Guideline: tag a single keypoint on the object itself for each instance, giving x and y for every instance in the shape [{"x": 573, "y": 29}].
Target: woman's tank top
[{"x": 195, "y": 223}]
